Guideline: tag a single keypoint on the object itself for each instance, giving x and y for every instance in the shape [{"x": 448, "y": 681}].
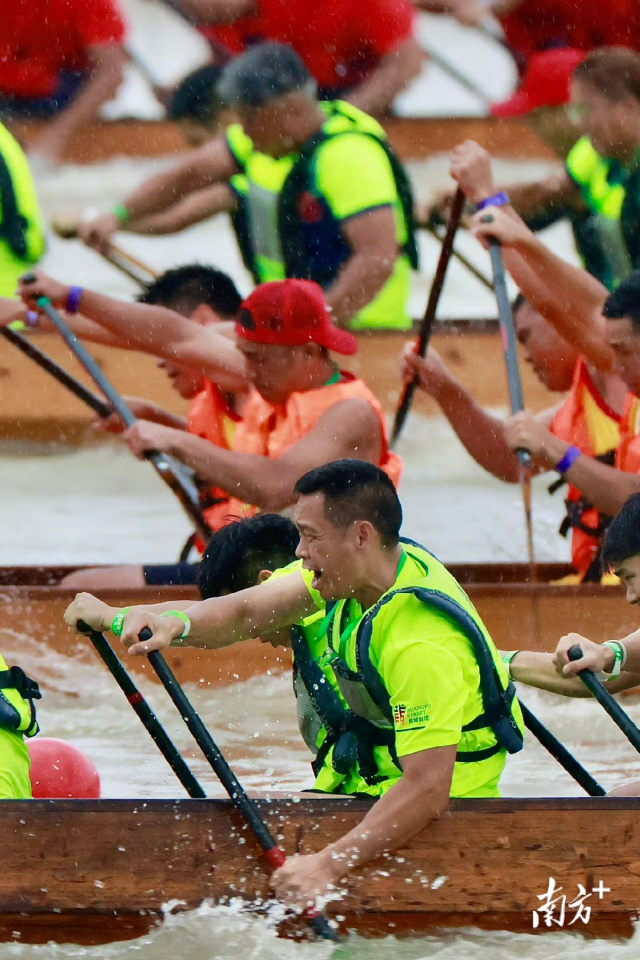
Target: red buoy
[{"x": 58, "y": 769}]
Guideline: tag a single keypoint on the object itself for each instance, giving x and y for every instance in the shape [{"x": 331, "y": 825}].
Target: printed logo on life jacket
[
  {"x": 411, "y": 717},
  {"x": 399, "y": 714},
  {"x": 309, "y": 208}
]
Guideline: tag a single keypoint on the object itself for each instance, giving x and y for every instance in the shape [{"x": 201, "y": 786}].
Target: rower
[
  {"x": 327, "y": 198},
  {"x": 605, "y": 328},
  {"x": 60, "y": 60},
  {"x": 616, "y": 661},
  {"x": 433, "y": 713},
  {"x": 598, "y": 190},
  {"x": 17, "y": 721},
  {"x": 368, "y": 66},
  {"x": 588, "y": 419},
  {"x": 206, "y": 296},
  {"x": 302, "y": 409},
  {"x": 239, "y": 555}
]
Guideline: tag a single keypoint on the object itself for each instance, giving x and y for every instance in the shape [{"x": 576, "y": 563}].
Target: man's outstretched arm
[
  {"x": 348, "y": 429},
  {"x": 152, "y": 329}
]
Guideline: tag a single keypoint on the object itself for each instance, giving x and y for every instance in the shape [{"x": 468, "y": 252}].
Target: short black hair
[
  {"x": 625, "y": 301},
  {"x": 193, "y": 285},
  {"x": 622, "y": 539},
  {"x": 195, "y": 96},
  {"x": 265, "y": 72},
  {"x": 356, "y": 490},
  {"x": 237, "y": 552}
]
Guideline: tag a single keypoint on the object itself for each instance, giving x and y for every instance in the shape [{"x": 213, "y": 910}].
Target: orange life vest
[
  {"x": 268, "y": 431},
  {"x": 211, "y": 418},
  {"x": 588, "y": 422},
  {"x": 628, "y": 453}
]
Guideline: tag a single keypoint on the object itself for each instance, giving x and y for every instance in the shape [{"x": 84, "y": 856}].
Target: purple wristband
[
  {"x": 568, "y": 460},
  {"x": 500, "y": 199},
  {"x": 73, "y": 299}
]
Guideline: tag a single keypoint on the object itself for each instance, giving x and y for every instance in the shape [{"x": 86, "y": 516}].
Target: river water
[{"x": 100, "y": 505}]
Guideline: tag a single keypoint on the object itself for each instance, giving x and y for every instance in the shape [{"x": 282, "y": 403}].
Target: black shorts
[{"x": 171, "y": 574}]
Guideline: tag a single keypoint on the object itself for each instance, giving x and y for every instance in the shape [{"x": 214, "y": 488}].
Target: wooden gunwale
[
  {"x": 31, "y": 620},
  {"x": 34, "y": 407},
  {"x": 104, "y": 869},
  {"x": 414, "y": 138}
]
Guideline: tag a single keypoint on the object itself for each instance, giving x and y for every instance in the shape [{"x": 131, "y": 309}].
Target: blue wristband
[
  {"x": 73, "y": 299},
  {"x": 568, "y": 460},
  {"x": 500, "y": 199}
]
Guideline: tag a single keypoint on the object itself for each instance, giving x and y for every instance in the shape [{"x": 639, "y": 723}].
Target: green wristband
[
  {"x": 118, "y": 621},
  {"x": 181, "y": 616},
  {"x": 121, "y": 213},
  {"x": 507, "y": 658},
  {"x": 619, "y": 653}
]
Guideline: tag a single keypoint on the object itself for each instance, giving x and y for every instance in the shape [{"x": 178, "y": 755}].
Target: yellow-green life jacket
[
  {"x": 323, "y": 714},
  {"x": 274, "y": 238},
  {"x": 17, "y": 693},
  {"x": 21, "y": 229},
  {"x": 497, "y": 728},
  {"x": 603, "y": 238}
]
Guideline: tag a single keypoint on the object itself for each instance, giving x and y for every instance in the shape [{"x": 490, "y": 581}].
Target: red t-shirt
[
  {"x": 38, "y": 38},
  {"x": 584, "y": 24},
  {"x": 340, "y": 41}
]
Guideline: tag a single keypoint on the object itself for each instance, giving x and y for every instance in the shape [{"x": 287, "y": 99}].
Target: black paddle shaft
[
  {"x": 508, "y": 332},
  {"x": 169, "y": 470},
  {"x": 604, "y": 698},
  {"x": 274, "y": 854},
  {"x": 148, "y": 718},
  {"x": 46, "y": 363},
  {"x": 428, "y": 320},
  {"x": 560, "y": 753}
]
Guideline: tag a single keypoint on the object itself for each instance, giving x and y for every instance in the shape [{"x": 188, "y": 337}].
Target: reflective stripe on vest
[
  {"x": 590, "y": 172},
  {"x": 17, "y": 693},
  {"x": 588, "y": 422},
  {"x": 366, "y": 695}
]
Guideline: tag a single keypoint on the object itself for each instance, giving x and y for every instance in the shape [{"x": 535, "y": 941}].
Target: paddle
[
  {"x": 38, "y": 356},
  {"x": 149, "y": 720},
  {"x": 604, "y": 698},
  {"x": 560, "y": 753},
  {"x": 428, "y": 320},
  {"x": 65, "y": 226},
  {"x": 507, "y": 329},
  {"x": 274, "y": 854},
  {"x": 172, "y": 472}
]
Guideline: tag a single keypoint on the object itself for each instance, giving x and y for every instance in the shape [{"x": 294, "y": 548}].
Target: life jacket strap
[{"x": 16, "y": 677}]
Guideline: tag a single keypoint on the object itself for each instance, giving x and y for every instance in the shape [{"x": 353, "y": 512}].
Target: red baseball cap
[
  {"x": 546, "y": 82},
  {"x": 291, "y": 313}
]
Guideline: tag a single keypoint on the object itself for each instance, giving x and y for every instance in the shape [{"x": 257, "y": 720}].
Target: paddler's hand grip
[
  {"x": 84, "y": 627},
  {"x": 575, "y": 653},
  {"x": 28, "y": 278},
  {"x": 145, "y": 634}
]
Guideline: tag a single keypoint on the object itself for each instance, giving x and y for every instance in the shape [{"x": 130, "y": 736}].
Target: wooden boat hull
[
  {"x": 518, "y": 615},
  {"x": 95, "y": 871},
  {"x": 35, "y": 407},
  {"x": 414, "y": 138}
]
